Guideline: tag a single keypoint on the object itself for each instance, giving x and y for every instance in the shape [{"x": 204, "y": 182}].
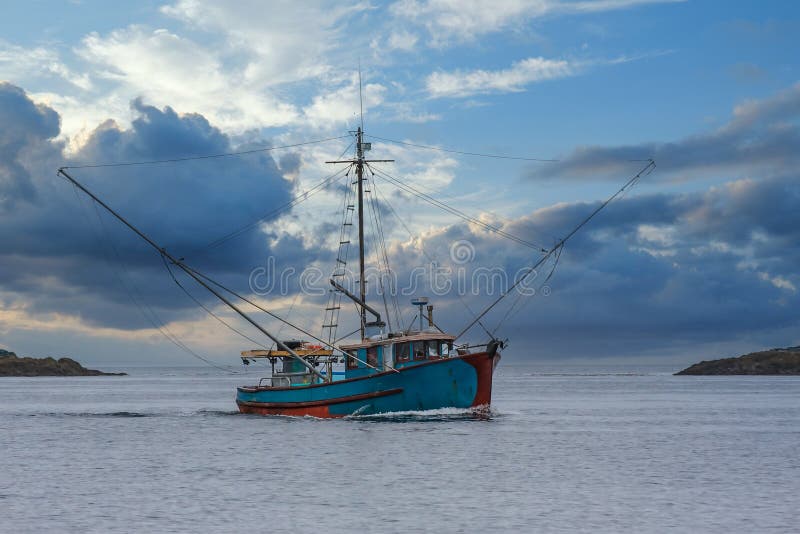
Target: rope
[
  {"x": 463, "y": 153},
  {"x": 194, "y": 158},
  {"x": 294, "y": 202},
  {"x": 645, "y": 171},
  {"x": 260, "y": 308},
  {"x": 430, "y": 259},
  {"x": 392, "y": 288},
  {"x": 131, "y": 290},
  {"x": 441, "y": 205},
  {"x": 203, "y": 306}
]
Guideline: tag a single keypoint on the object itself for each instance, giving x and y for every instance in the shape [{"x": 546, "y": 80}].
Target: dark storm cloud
[
  {"x": 658, "y": 273},
  {"x": 24, "y": 126},
  {"x": 61, "y": 254},
  {"x": 761, "y": 135},
  {"x": 652, "y": 273}
]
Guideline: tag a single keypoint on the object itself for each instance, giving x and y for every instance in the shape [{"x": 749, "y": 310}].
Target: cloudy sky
[{"x": 699, "y": 260}]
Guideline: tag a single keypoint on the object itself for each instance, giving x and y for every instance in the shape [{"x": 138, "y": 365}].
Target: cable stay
[
  {"x": 207, "y": 156},
  {"x": 332, "y": 178},
  {"x": 381, "y": 254},
  {"x": 132, "y": 290},
  {"x": 646, "y": 170},
  {"x": 204, "y": 307},
  {"x": 458, "y": 213},
  {"x": 519, "y": 302},
  {"x": 271, "y": 314},
  {"x": 196, "y": 274},
  {"x": 385, "y": 253},
  {"x": 430, "y": 259},
  {"x": 461, "y": 152},
  {"x": 330, "y": 322},
  {"x": 201, "y": 280}
]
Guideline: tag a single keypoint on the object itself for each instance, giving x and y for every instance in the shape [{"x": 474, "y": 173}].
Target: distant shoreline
[
  {"x": 13, "y": 365},
  {"x": 768, "y": 362}
]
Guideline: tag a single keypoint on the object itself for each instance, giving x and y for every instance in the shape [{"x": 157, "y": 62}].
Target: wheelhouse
[{"x": 393, "y": 351}]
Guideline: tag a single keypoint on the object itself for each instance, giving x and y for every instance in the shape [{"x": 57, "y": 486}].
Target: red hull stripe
[
  {"x": 316, "y": 403},
  {"x": 322, "y": 412}
]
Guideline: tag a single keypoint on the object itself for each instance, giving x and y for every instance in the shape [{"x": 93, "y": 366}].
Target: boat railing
[
  {"x": 465, "y": 348},
  {"x": 286, "y": 381}
]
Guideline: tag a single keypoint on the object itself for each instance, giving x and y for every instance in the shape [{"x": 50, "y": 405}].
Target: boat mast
[
  {"x": 362, "y": 283},
  {"x": 360, "y": 177},
  {"x": 359, "y": 163}
]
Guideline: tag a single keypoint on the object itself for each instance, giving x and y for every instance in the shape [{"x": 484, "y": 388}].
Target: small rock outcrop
[
  {"x": 769, "y": 362},
  {"x": 12, "y": 365}
]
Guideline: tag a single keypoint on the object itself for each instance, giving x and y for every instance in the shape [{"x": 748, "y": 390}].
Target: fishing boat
[
  {"x": 414, "y": 369},
  {"x": 389, "y": 367}
]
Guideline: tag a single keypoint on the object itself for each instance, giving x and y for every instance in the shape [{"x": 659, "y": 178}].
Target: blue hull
[{"x": 459, "y": 382}]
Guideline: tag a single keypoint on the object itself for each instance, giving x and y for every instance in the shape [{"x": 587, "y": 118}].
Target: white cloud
[
  {"x": 778, "y": 281},
  {"x": 79, "y": 120},
  {"x": 19, "y": 63},
  {"x": 167, "y": 69},
  {"x": 433, "y": 175},
  {"x": 461, "y": 83},
  {"x": 286, "y": 41},
  {"x": 341, "y": 106},
  {"x": 401, "y": 40},
  {"x": 449, "y": 21}
]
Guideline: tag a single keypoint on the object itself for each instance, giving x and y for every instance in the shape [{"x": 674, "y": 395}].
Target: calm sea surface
[{"x": 566, "y": 449}]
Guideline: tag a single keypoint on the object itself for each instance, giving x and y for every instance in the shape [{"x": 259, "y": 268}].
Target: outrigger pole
[
  {"x": 647, "y": 169},
  {"x": 192, "y": 273}
]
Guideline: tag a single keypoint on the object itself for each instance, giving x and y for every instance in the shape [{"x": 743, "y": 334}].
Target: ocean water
[{"x": 565, "y": 449}]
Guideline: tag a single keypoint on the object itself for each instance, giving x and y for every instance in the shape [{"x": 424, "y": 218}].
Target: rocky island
[
  {"x": 768, "y": 362},
  {"x": 13, "y": 365}
]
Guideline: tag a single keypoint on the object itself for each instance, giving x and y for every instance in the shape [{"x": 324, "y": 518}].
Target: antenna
[{"x": 360, "y": 96}]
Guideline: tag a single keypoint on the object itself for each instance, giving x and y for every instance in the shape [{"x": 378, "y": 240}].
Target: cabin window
[
  {"x": 372, "y": 356},
  {"x": 432, "y": 349},
  {"x": 419, "y": 350},
  {"x": 352, "y": 362},
  {"x": 445, "y": 348},
  {"x": 402, "y": 352}
]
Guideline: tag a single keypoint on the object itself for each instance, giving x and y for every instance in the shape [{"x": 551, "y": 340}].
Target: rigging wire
[
  {"x": 335, "y": 177},
  {"x": 330, "y": 317},
  {"x": 331, "y": 320},
  {"x": 131, "y": 290},
  {"x": 441, "y": 205},
  {"x": 203, "y": 306},
  {"x": 288, "y": 314},
  {"x": 439, "y": 194},
  {"x": 430, "y": 258},
  {"x": 379, "y": 245},
  {"x": 191, "y": 272},
  {"x": 259, "y": 307},
  {"x": 521, "y": 301},
  {"x": 208, "y": 156},
  {"x": 463, "y": 153},
  {"x": 379, "y": 220},
  {"x": 645, "y": 171}
]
